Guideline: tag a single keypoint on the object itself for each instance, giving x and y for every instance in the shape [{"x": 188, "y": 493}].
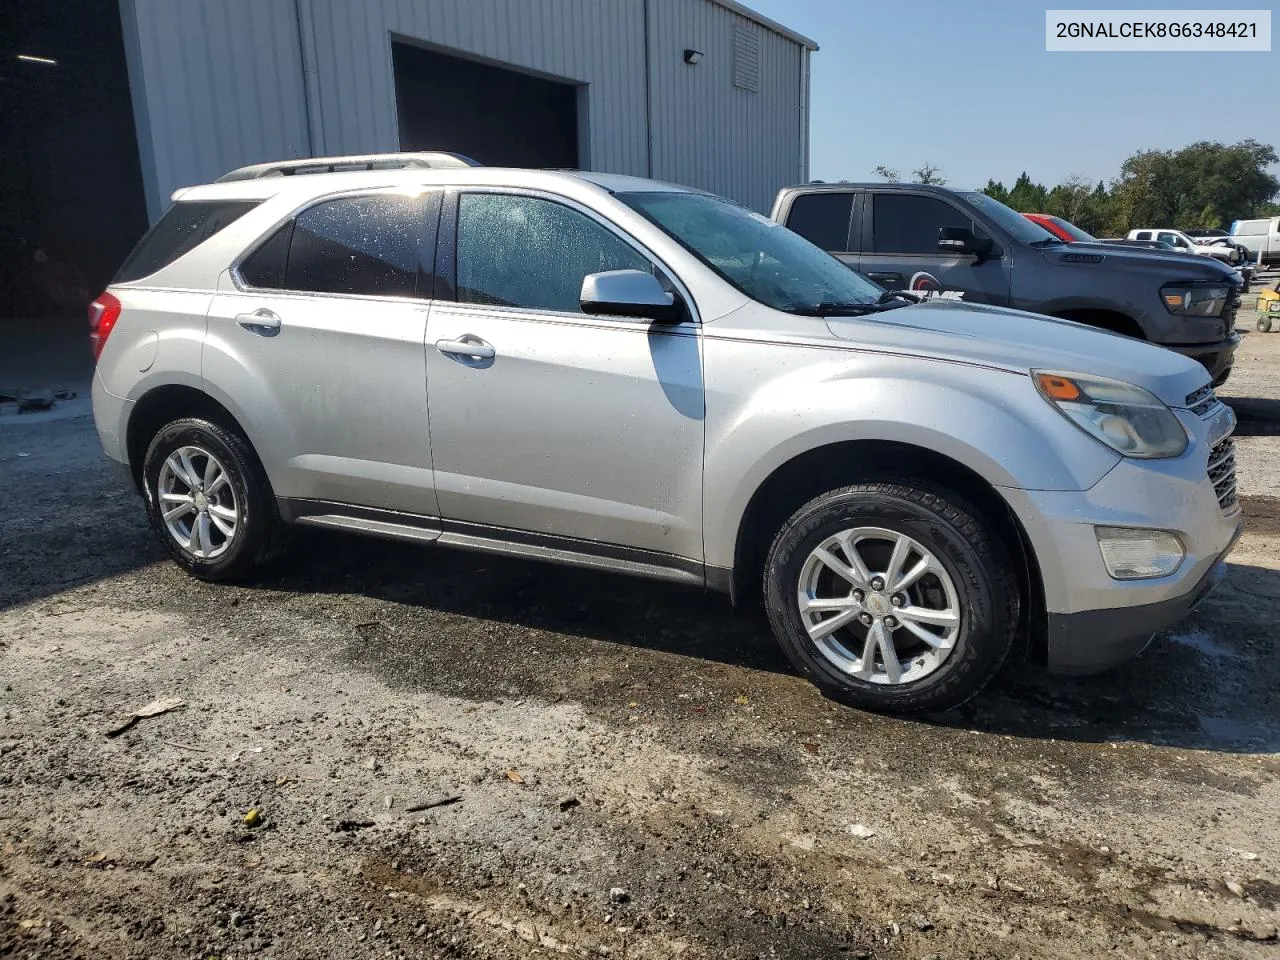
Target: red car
[{"x": 1064, "y": 231}]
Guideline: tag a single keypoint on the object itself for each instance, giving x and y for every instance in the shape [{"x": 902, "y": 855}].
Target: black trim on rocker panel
[{"x": 504, "y": 540}]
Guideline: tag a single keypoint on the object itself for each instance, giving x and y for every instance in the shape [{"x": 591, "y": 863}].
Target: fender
[
  {"x": 1059, "y": 305},
  {"x": 958, "y": 410},
  {"x": 254, "y": 402}
]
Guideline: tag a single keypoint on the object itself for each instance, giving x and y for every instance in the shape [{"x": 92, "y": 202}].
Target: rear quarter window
[{"x": 184, "y": 226}]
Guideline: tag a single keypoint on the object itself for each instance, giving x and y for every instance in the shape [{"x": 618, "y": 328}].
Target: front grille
[
  {"x": 1201, "y": 401},
  {"x": 1222, "y": 472}
]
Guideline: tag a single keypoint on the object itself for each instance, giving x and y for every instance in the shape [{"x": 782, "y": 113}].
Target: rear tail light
[{"x": 103, "y": 314}]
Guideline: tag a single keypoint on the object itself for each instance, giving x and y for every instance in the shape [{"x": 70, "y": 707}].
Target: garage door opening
[
  {"x": 71, "y": 199},
  {"x": 498, "y": 116}
]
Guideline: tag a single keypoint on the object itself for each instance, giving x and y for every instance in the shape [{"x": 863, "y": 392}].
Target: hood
[
  {"x": 1018, "y": 341},
  {"x": 1167, "y": 263}
]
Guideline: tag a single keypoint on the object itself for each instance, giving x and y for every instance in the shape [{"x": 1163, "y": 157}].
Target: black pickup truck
[{"x": 936, "y": 241}]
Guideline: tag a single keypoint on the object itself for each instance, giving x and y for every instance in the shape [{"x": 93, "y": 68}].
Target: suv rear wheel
[
  {"x": 892, "y": 597},
  {"x": 208, "y": 500}
]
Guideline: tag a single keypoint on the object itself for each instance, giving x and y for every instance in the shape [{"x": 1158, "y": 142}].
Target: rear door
[
  {"x": 316, "y": 341},
  {"x": 900, "y": 248},
  {"x": 826, "y": 219}
]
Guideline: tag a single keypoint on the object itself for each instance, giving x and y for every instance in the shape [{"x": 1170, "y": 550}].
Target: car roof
[
  {"x": 891, "y": 187},
  {"x": 320, "y": 184}
]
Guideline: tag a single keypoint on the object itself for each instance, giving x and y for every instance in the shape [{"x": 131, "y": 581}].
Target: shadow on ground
[
  {"x": 1256, "y": 416},
  {"x": 1206, "y": 684}
]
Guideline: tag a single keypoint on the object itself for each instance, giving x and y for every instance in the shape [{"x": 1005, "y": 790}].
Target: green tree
[
  {"x": 1028, "y": 197},
  {"x": 1095, "y": 217},
  {"x": 928, "y": 173},
  {"x": 1068, "y": 199},
  {"x": 1204, "y": 184},
  {"x": 887, "y": 173},
  {"x": 997, "y": 191}
]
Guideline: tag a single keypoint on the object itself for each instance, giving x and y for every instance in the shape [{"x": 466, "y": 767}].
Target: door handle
[
  {"x": 468, "y": 347},
  {"x": 262, "y": 321}
]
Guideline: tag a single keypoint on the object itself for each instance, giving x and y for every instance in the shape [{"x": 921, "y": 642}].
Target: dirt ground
[{"x": 640, "y": 775}]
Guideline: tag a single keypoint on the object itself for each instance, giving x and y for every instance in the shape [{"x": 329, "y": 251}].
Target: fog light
[{"x": 1139, "y": 554}]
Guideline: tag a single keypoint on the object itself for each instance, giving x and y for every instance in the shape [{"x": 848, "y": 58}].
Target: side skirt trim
[{"x": 568, "y": 551}]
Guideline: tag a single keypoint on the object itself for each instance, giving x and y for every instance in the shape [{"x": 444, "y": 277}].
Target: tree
[
  {"x": 887, "y": 173},
  {"x": 1068, "y": 199},
  {"x": 1095, "y": 216},
  {"x": 928, "y": 173},
  {"x": 1204, "y": 184},
  {"x": 996, "y": 191},
  {"x": 1028, "y": 197}
]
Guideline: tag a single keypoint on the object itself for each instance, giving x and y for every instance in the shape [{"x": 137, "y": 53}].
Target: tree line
[{"x": 1206, "y": 184}]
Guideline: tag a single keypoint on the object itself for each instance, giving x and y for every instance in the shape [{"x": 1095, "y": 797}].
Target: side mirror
[
  {"x": 629, "y": 293},
  {"x": 962, "y": 240}
]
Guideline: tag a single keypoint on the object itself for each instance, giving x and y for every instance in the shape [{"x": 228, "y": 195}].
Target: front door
[
  {"x": 545, "y": 419},
  {"x": 900, "y": 249},
  {"x": 318, "y": 339}
]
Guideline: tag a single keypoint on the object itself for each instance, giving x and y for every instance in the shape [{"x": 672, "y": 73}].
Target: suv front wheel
[
  {"x": 892, "y": 597},
  {"x": 208, "y": 500}
]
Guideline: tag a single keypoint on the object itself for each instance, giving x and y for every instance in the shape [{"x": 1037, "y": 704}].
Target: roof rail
[{"x": 367, "y": 161}]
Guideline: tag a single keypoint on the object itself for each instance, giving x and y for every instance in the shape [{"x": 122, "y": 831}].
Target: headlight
[
  {"x": 1126, "y": 418},
  {"x": 1134, "y": 554},
  {"x": 1195, "y": 301}
]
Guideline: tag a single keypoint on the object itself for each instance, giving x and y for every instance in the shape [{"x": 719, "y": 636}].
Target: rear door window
[
  {"x": 907, "y": 224},
  {"x": 366, "y": 246},
  {"x": 823, "y": 219},
  {"x": 264, "y": 267},
  {"x": 184, "y": 226}
]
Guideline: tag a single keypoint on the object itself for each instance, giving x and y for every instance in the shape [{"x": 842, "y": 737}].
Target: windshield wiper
[
  {"x": 831, "y": 308},
  {"x": 889, "y": 300},
  {"x": 891, "y": 295},
  {"x": 1046, "y": 242}
]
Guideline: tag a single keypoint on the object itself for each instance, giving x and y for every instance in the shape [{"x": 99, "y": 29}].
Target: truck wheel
[
  {"x": 892, "y": 597},
  {"x": 209, "y": 501},
  {"x": 1264, "y": 324}
]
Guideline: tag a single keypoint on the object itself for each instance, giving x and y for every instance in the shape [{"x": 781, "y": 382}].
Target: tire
[
  {"x": 241, "y": 502},
  {"x": 1264, "y": 324},
  {"x": 970, "y": 576}
]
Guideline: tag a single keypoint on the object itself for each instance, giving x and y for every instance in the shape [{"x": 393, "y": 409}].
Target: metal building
[{"x": 701, "y": 92}]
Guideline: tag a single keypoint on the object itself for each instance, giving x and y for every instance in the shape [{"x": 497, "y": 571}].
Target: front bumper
[
  {"x": 1095, "y": 621},
  {"x": 1095, "y": 640},
  {"x": 1217, "y": 358}
]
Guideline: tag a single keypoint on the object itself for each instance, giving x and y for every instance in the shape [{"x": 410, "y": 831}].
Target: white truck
[
  {"x": 1260, "y": 237},
  {"x": 1180, "y": 241}
]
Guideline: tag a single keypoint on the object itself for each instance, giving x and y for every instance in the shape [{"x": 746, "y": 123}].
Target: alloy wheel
[
  {"x": 198, "y": 503},
  {"x": 878, "y": 605}
]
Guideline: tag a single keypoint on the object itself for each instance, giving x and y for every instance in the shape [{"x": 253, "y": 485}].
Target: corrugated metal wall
[
  {"x": 220, "y": 83},
  {"x": 215, "y": 84},
  {"x": 710, "y": 134}
]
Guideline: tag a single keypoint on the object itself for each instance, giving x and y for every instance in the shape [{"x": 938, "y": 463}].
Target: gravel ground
[{"x": 639, "y": 774}]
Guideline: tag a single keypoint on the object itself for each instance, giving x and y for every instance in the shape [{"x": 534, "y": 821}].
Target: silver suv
[{"x": 632, "y": 376}]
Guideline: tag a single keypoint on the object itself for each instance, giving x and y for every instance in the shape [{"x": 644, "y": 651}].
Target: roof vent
[{"x": 746, "y": 59}]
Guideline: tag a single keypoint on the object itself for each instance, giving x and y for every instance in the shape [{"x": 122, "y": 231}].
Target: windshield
[
  {"x": 1075, "y": 233},
  {"x": 1014, "y": 224},
  {"x": 760, "y": 258}
]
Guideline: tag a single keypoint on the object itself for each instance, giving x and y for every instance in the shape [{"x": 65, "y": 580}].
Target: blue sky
[{"x": 968, "y": 85}]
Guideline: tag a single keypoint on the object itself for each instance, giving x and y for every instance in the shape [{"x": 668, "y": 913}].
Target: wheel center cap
[
  {"x": 877, "y": 605},
  {"x": 201, "y": 501}
]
